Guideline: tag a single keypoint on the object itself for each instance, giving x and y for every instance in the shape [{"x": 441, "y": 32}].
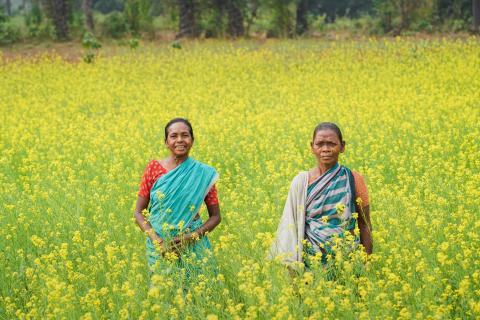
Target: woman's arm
[
  {"x": 142, "y": 222},
  {"x": 214, "y": 219},
  {"x": 363, "y": 209},
  {"x": 365, "y": 227}
]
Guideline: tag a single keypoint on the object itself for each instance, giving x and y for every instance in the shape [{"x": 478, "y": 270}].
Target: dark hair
[
  {"x": 328, "y": 126},
  {"x": 185, "y": 121}
]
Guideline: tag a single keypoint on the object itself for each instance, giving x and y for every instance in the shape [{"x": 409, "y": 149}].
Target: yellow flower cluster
[{"x": 75, "y": 139}]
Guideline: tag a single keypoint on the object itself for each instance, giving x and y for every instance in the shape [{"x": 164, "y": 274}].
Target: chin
[
  {"x": 329, "y": 163},
  {"x": 181, "y": 154}
]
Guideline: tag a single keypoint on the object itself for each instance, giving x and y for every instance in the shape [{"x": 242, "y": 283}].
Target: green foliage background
[{"x": 271, "y": 18}]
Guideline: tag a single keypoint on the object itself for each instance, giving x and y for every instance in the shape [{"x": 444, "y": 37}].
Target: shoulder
[
  {"x": 361, "y": 188},
  {"x": 299, "y": 185},
  {"x": 150, "y": 165},
  {"x": 359, "y": 180},
  {"x": 154, "y": 166},
  {"x": 205, "y": 167},
  {"x": 300, "y": 178}
]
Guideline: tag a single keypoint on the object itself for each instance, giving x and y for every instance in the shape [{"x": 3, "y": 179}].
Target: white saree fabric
[{"x": 288, "y": 244}]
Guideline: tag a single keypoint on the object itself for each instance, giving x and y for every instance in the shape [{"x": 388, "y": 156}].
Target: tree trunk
[
  {"x": 235, "y": 19},
  {"x": 282, "y": 19},
  {"x": 187, "y": 26},
  {"x": 57, "y": 10},
  {"x": 87, "y": 10},
  {"x": 331, "y": 13},
  {"x": 476, "y": 15},
  {"x": 8, "y": 7},
  {"x": 61, "y": 19},
  {"x": 220, "y": 11},
  {"x": 403, "y": 16},
  {"x": 251, "y": 16},
  {"x": 301, "y": 24}
]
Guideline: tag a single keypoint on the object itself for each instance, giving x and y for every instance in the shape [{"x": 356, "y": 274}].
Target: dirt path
[
  {"x": 73, "y": 51},
  {"x": 69, "y": 51}
]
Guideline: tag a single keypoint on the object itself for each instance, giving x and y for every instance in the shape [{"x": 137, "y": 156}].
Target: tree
[
  {"x": 399, "y": 15},
  {"x": 331, "y": 9},
  {"x": 107, "y": 6},
  {"x": 301, "y": 24},
  {"x": 407, "y": 9},
  {"x": 476, "y": 15},
  {"x": 218, "y": 18},
  {"x": 187, "y": 21},
  {"x": 58, "y": 11},
  {"x": 358, "y": 7},
  {"x": 282, "y": 20},
  {"x": 8, "y": 7},
  {"x": 235, "y": 19},
  {"x": 211, "y": 17},
  {"x": 87, "y": 10}
]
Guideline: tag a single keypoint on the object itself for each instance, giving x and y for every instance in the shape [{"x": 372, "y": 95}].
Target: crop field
[{"x": 76, "y": 137}]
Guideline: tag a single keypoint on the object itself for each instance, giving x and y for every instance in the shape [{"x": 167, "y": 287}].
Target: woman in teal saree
[{"x": 173, "y": 190}]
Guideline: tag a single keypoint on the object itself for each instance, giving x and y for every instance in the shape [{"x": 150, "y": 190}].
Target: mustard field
[{"x": 76, "y": 137}]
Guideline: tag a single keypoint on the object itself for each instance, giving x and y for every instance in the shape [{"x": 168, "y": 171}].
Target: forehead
[
  {"x": 178, "y": 127},
  {"x": 326, "y": 134}
]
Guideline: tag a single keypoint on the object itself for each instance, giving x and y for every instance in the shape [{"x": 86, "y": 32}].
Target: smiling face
[
  {"x": 326, "y": 146},
  {"x": 179, "y": 139}
]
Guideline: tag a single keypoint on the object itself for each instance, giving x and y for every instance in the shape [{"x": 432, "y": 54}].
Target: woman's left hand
[{"x": 181, "y": 241}]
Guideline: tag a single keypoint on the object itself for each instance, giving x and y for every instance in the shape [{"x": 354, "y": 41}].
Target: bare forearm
[
  {"x": 142, "y": 222},
  {"x": 365, "y": 227},
  {"x": 208, "y": 226},
  {"x": 214, "y": 219},
  {"x": 366, "y": 239}
]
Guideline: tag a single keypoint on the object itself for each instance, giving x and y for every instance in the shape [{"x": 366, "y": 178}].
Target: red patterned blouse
[{"x": 155, "y": 170}]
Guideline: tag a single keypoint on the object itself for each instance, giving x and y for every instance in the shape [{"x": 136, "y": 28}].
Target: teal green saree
[{"x": 175, "y": 199}]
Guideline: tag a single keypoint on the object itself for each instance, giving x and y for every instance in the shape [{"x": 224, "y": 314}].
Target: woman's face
[
  {"x": 179, "y": 140},
  {"x": 326, "y": 147}
]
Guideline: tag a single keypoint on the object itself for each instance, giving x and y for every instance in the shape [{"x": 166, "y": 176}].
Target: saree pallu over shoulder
[
  {"x": 175, "y": 199},
  {"x": 329, "y": 207},
  {"x": 288, "y": 244}
]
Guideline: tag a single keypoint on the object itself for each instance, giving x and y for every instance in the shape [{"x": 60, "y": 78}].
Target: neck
[
  {"x": 322, "y": 168},
  {"x": 177, "y": 160}
]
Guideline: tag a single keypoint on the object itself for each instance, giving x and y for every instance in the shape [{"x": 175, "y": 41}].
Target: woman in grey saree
[{"x": 323, "y": 205}]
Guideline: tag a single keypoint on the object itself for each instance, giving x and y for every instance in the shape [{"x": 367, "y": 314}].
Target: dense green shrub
[
  {"x": 107, "y": 6},
  {"x": 138, "y": 17},
  {"x": 91, "y": 45},
  {"x": 422, "y": 25},
  {"x": 8, "y": 32},
  {"x": 457, "y": 25},
  {"x": 114, "y": 25}
]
